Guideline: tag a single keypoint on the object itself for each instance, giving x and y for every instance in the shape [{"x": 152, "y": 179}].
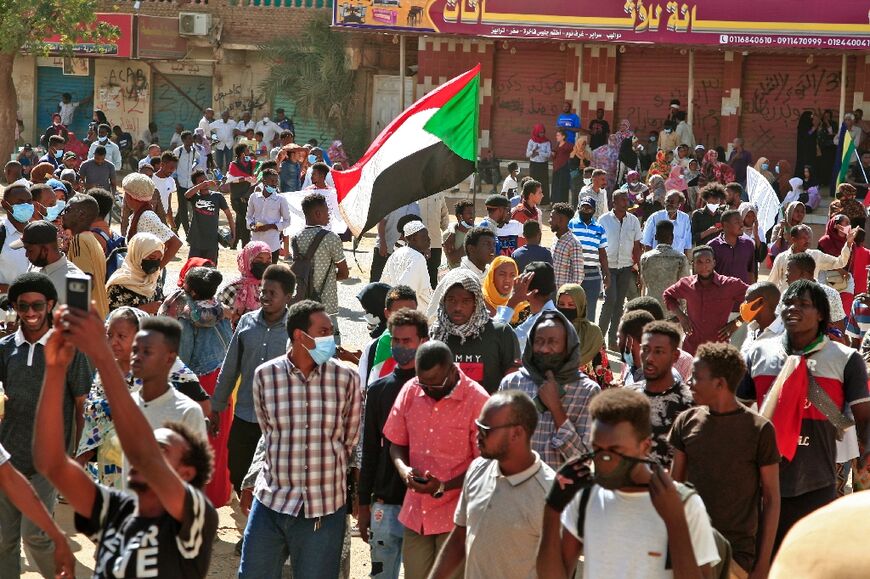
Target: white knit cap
[
  {"x": 138, "y": 186},
  {"x": 412, "y": 227}
]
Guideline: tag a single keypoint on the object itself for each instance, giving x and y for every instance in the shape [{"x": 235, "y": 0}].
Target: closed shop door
[
  {"x": 707, "y": 105},
  {"x": 777, "y": 88},
  {"x": 307, "y": 127},
  {"x": 170, "y": 107},
  {"x": 51, "y": 83},
  {"x": 528, "y": 88},
  {"x": 647, "y": 80}
]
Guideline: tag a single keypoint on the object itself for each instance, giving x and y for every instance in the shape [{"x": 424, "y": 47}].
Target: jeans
[
  {"x": 222, "y": 157},
  {"x": 270, "y": 537},
  {"x": 386, "y": 540},
  {"x": 242, "y": 444},
  {"x": 182, "y": 216},
  {"x": 621, "y": 281},
  {"x": 14, "y": 528},
  {"x": 592, "y": 288}
]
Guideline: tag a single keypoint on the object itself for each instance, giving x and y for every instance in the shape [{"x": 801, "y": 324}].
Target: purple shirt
[
  {"x": 707, "y": 306},
  {"x": 739, "y": 162},
  {"x": 736, "y": 260}
]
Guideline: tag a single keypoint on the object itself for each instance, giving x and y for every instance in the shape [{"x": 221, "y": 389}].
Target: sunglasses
[
  {"x": 35, "y": 306},
  {"x": 441, "y": 386},
  {"x": 486, "y": 430}
]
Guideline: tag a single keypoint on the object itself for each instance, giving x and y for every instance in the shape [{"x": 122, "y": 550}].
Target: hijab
[
  {"x": 789, "y": 209},
  {"x": 590, "y": 336},
  {"x": 443, "y": 328},
  {"x": 767, "y": 173},
  {"x": 833, "y": 240},
  {"x": 190, "y": 264},
  {"x": 657, "y": 188},
  {"x": 627, "y": 154},
  {"x": 660, "y": 165},
  {"x": 675, "y": 181},
  {"x": 131, "y": 275},
  {"x": 606, "y": 156},
  {"x": 745, "y": 209},
  {"x": 373, "y": 297},
  {"x": 783, "y": 176},
  {"x": 569, "y": 371},
  {"x": 536, "y": 131},
  {"x": 248, "y": 287},
  {"x": 491, "y": 294},
  {"x": 336, "y": 153}
]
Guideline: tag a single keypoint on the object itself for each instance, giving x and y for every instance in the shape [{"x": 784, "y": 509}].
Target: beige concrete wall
[
  {"x": 122, "y": 89},
  {"x": 236, "y": 88}
]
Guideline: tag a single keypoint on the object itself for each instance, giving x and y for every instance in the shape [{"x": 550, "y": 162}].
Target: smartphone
[
  {"x": 420, "y": 479},
  {"x": 78, "y": 291}
]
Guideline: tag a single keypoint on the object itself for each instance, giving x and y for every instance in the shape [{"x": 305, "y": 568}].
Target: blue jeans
[
  {"x": 271, "y": 536},
  {"x": 222, "y": 158},
  {"x": 386, "y": 540},
  {"x": 592, "y": 288}
]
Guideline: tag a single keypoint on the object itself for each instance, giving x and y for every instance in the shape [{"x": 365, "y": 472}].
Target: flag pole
[{"x": 857, "y": 158}]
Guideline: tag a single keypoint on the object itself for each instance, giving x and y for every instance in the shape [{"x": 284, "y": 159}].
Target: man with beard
[
  {"x": 560, "y": 391},
  {"x": 629, "y": 519},
  {"x": 497, "y": 523},
  {"x": 682, "y": 225},
  {"x": 39, "y": 241},
  {"x": 443, "y": 400}
]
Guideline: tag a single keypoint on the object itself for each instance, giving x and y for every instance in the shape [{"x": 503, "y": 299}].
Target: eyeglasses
[
  {"x": 486, "y": 430},
  {"x": 35, "y": 306}
]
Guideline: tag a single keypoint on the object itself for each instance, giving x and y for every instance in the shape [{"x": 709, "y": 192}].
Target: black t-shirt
[
  {"x": 487, "y": 358},
  {"x": 134, "y": 546},
  {"x": 205, "y": 218}
]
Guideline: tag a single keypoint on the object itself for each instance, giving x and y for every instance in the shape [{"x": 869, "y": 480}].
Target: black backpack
[{"x": 303, "y": 269}]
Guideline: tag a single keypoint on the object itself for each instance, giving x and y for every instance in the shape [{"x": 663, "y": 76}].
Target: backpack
[
  {"x": 720, "y": 571},
  {"x": 116, "y": 250},
  {"x": 303, "y": 269}
]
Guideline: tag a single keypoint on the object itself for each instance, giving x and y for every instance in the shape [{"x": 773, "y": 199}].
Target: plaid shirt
[
  {"x": 568, "y": 259},
  {"x": 311, "y": 426},
  {"x": 556, "y": 445}
]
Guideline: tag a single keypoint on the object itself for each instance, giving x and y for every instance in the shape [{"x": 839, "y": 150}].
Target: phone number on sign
[{"x": 795, "y": 41}]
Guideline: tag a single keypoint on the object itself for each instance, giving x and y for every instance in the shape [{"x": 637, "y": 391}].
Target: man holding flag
[{"x": 804, "y": 383}]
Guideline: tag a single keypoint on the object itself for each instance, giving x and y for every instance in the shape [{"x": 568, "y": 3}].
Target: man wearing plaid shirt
[
  {"x": 567, "y": 251},
  {"x": 308, "y": 406},
  {"x": 560, "y": 391}
]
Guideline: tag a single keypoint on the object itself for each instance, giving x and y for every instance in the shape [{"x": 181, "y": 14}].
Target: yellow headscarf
[
  {"x": 590, "y": 335},
  {"x": 491, "y": 295}
]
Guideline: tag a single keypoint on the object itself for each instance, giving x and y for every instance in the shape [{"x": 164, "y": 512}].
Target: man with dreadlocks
[{"x": 484, "y": 350}]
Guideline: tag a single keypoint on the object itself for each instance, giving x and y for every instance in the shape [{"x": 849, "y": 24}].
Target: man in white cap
[{"x": 407, "y": 265}]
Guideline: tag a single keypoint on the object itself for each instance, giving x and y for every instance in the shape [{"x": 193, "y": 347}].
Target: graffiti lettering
[
  {"x": 780, "y": 97},
  {"x": 234, "y": 100},
  {"x": 123, "y": 94}
]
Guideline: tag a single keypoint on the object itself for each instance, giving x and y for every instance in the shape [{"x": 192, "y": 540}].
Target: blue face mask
[
  {"x": 52, "y": 213},
  {"x": 764, "y": 166},
  {"x": 58, "y": 154},
  {"x": 628, "y": 359},
  {"x": 22, "y": 212},
  {"x": 776, "y": 169},
  {"x": 324, "y": 349},
  {"x": 269, "y": 189},
  {"x": 312, "y": 159}
]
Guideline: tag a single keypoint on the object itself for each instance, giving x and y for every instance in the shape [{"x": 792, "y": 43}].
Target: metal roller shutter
[
  {"x": 528, "y": 88},
  {"x": 707, "y": 111},
  {"x": 777, "y": 88},
  {"x": 169, "y": 107},
  {"x": 647, "y": 80},
  {"x": 306, "y": 127},
  {"x": 51, "y": 82}
]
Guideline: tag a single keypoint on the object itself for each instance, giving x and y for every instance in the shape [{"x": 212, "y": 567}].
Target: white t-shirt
[
  {"x": 624, "y": 536},
  {"x": 510, "y": 185},
  {"x": 67, "y": 111},
  {"x": 172, "y": 406},
  {"x": 166, "y": 187}
]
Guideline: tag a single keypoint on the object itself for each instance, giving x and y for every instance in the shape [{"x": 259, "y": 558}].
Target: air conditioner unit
[{"x": 194, "y": 23}]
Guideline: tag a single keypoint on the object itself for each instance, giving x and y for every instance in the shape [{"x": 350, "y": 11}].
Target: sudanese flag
[{"x": 428, "y": 148}]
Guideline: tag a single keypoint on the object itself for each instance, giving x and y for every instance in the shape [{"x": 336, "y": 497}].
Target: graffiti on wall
[
  {"x": 516, "y": 100},
  {"x": 236, "y": 100},
  {"x": 123, "y": 95}
]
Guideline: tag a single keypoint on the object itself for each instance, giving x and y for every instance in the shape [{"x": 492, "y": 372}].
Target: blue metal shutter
[
  {"x": 50, "y": 84},
  {"x": 169, "y": 107},
  {"x": 306, "y": 127}
]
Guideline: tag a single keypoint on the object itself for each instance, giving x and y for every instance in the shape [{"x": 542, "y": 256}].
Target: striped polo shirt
[{"x": 592, "y": 237}]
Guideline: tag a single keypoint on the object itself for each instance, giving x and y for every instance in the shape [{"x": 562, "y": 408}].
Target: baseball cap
[
  {"x": 28, "y": 147},
  {"x": 70, "y": 155},
  {"x": 498, "y": 200},
  {"x": 36, "y": 233},
  {"x": 588, "y": 200},
  {"x": 700, "y": 148}
]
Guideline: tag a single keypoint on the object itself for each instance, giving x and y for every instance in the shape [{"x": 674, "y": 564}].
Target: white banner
[
  {"x": 762, "y": 195},
  {"x": 297, "y": 218}
]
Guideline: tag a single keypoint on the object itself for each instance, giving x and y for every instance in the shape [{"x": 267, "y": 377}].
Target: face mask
[
  {"x": 56, "y": 123},
  {"x": 52, "y": 213},
  {"x": 712, "y": 207},
  {"x": 748, "y": 311},
  {"x": 40, "y": 261},
  {"x": 776, "y": 169},
  {"x": 265, "y": 119},
  {"x": 247, "y": 159},
  {"x": 372, "y": 322},
  {"x": 403, "y": 356},
  {"x": 468, "y": 224},
  {"x": 258, "y": 269},
  {"x": 844, "y": 229},
  {"x": 765, "y": 166},
  {"x": 269, "y": 189},
  {"x": 546, "y": 362},
  {"x": 312, "y": 159},
  {"x": 668, "y": 131},
  {"x": 620, "y": 476},
  {"x": 570, "y": 313},
  {"x": 22, "y": 212},
  {"x": 653, "y": 139},
  {"x": 103, "y": 139},
  {"x": 628, "y": 359},
  {"x": 324, "y": 349},
  {"x": 58, "y": 154},
  {"x": 587, "y": 182},
  {"x": 150, "y": 266}
]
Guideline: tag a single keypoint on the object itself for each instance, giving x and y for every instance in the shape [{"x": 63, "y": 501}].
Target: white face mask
[
  {"x": 587, "y": 182},
  {"x": 712, "y": 207}
]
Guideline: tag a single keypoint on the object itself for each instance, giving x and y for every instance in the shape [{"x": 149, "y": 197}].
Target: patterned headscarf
[
  {"x": 248, "y": 294},
  {"x": 443, "y": 327}
]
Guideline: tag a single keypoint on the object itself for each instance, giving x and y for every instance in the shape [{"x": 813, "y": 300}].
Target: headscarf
[
  {"x": 711, "y": 168},
  {"x": 768, "y": 174},
  {"x": 372, "y": 297},
  {"x": 581, "y": 149},
  {"x": 745, "y": 209},
  {"x": 783, "y": 176},
  {"x": 624, "y": 131},
  {"x": 336, "y": 153},
  {"x": 675, "y": 180},
  {"x": 248, "y": 287},
  {"x": 789, "y": 210},
  {"x": 795, "y": 188},
  {"x": 536, "y": 130},
  {"x": 833, "y": 240},
  {"x": 190, "y": 264},
  {"x": 590, "y": 336},
  {"x": 660, "y": 165},
  {"x": 605, "y": 157},
  {"x": 569, "y": 372},
  {"x": 130, "y": 275},
  {"x": 491, "y": 294},
  {"x": 657, "y": 188},
  {"x": 443, "y": 328}
]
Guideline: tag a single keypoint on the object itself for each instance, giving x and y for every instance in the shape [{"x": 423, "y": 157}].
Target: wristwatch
[{"x": 439, "y": 493}]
